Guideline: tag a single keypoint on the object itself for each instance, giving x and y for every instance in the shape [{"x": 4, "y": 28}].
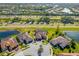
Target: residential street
[{"x": 32, "y": 51}]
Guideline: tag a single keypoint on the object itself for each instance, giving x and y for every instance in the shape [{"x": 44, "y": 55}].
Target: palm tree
[
  {"x": 72, "y": 46},
  {"x": 40, "y": 50},
  {"x": 57, "y": 29}
]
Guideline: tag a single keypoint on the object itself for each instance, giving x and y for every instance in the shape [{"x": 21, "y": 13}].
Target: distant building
[
  {"x": 25, "y": 38},
  {"x": 60, "y": 42},
  {"x": 9, "y": 44},
  {"x": 40, "y": 35}
]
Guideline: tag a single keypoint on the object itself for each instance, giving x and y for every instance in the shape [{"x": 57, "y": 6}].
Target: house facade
[
  {"x": 9, "y": 44},
  {"x": 59, "y": 42},
  {"x": 40, "y": 35},
  {"x": 25, "y": 38}
]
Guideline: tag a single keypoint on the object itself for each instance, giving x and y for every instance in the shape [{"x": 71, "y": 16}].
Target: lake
[
  {"x": 73, "y": 35},
  {"x": 5, "y": 34}
]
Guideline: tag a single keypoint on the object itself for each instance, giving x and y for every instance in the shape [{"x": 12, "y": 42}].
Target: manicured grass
[{"x": 50, "y": 30}]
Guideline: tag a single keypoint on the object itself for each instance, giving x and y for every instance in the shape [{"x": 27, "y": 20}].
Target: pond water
[
  {"x": 4, "y": 34},
  {"x": 73, "y": 35}
]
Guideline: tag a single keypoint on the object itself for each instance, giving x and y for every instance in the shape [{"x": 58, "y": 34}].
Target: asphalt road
[{"x": 32, "y": 51}]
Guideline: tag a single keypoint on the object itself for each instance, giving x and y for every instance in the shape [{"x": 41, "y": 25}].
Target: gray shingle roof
[
  {"x": 63, "y": 42},
  {"x": 40, "y": 34},
  {"x": 25, "y": 36}
]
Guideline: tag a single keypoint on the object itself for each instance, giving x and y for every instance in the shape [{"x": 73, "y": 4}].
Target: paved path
[
  {"x": 36, "y": 25},
  {"x": 34, "y": 48}
]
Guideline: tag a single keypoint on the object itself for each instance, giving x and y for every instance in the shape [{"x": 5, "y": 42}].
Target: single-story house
[
  {"x": 25, "y": 38},
  {"x": 60, "y": 42},
  {"x": 9, "y": 44},
  {"x": 40, "y": 35}
]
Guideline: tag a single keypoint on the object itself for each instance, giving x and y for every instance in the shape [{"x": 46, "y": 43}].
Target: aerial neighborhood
[{"x": 39, "y": 29}]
